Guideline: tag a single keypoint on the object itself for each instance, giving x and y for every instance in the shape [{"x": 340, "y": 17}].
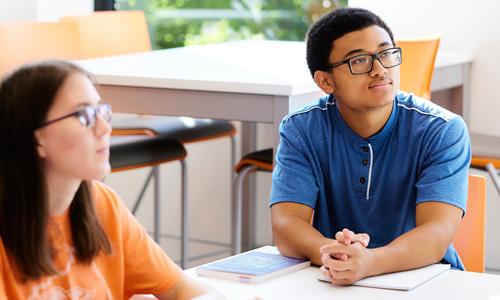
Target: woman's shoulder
[{"x": 105, "y": 198}]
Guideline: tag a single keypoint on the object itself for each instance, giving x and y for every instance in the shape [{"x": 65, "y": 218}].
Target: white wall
[
  {"x": 42, "y": 10},
  {"x": 17, "y": 10},
  {"x": 463, "y": 24},
  {"x": 52, "y": 10},
  {"x": 471, "y": 25}
]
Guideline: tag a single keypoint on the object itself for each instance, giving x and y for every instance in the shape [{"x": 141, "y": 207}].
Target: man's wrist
[{"x": 374, "y": 262}]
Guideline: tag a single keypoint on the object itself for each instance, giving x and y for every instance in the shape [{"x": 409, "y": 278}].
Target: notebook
[
  {"x": 404, "y": 281},
  {"x": 253, "y": 266}
]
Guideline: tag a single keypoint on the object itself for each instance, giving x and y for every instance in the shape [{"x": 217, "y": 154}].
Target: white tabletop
[
  {"x": 302, "y": 284},
  {"x": 254, "y": 81},
  {"x": 261, "y": 67},
  {"x": 251, "y": 66}
]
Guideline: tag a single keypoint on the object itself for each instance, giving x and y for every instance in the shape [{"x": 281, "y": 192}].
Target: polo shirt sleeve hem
[
  {"x": 293, "y": 199},
  {"x": 458, "y": 204}
]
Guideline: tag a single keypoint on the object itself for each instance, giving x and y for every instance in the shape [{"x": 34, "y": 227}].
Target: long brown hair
[{"x": 25, "y": 98}]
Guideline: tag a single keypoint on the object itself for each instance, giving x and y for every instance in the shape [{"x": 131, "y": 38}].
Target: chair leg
[
  {"x": 143, "y": 190},
  {"x": 494, "y": 174},
  {"x": 185, "y": 216},
  {"x": 236, "y": 219},
  {"x": 233, "y": 158},
  {"x": 157, "y": 210},
  {"x": 231, "y": 187}
]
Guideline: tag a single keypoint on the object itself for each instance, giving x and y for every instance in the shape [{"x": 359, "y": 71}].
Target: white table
[
  {"x": 302, "y": 284},
  {"x": 249, "y": 81},
  {"x": 255, "y": 81},
  {"x": 451, "y": 72}
]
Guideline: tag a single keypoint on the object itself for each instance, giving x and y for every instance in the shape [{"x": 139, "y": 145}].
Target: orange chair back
[
  {"x": 419, "y": 55},
  {"x": 111, "y": 33},
  {"x": 469, "y": 239},
  {"x": 30, "y": 41}
]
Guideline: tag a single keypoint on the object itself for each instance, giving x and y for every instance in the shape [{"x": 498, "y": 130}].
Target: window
[
  {"x": 103, "y": 5},
  {"x": 177, "y": 23}
]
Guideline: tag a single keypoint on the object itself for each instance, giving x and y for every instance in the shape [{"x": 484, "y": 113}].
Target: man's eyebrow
[{"x": 350, "y": 53}]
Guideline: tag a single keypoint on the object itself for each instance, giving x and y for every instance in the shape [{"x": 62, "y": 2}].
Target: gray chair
[
  {"x": 181, "y": 129},
  {"x": 485, "y": 149},
  {"x": 495, "y": 175},
  {"x": 261, "y": 160},
  {"x": 486, "y": 155},
  {"x": 133, "y": 152}
]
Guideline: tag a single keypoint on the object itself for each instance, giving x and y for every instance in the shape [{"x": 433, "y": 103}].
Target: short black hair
[{"x": 334, "y": 25}]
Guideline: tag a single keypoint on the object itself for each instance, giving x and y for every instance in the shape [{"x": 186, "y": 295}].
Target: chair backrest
[
  {"x": 469, "y": 239},
  {"x": 30, "y": 41},
  {"x": 111, "y": 33},
  {"x": 419, "y": 55}
]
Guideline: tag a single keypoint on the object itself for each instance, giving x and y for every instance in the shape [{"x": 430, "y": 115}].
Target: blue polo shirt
[{"x": 372, "y": 185}]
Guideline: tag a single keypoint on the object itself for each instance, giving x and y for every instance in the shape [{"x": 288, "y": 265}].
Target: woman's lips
[{"x": 104, "y": 150}]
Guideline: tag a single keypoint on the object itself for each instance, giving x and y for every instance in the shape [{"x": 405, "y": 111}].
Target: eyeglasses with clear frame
[
  {"x": 87, "y": 115},
  {"x": 361, "y": 64}
]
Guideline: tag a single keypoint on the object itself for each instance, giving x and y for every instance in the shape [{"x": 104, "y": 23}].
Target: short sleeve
[
  {"x": 147, "y": 269},
  {"x": 444, "y": 173},
  {"x": 293, "y": 176}
]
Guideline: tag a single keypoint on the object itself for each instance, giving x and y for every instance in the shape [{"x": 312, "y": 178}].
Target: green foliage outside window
[{"x": 177, "y": 23}]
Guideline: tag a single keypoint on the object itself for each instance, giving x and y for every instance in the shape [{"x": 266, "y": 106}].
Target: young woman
[{"x": 65, "y": 235}]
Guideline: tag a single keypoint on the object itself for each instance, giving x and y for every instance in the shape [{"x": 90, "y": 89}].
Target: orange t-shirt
[{"x": 137, "y": 265}]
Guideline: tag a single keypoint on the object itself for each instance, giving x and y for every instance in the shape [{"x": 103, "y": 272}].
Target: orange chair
[
  {"x": 419, "y": 55},
  {"x": 30, "y": 41},
  {"x": 100, "y": 34},
  {"x": 469, "y": 238}
]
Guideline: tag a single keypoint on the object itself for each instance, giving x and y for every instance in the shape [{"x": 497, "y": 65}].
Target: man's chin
[{"x": 382, "y": 102}]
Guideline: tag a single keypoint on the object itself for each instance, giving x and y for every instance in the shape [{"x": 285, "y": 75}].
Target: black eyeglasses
[
  {"x": 361, "y": 64},
  {"x": 87, "y": 115}
]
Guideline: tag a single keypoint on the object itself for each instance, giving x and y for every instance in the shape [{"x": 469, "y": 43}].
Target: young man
[{"x": 380, "y": 174}]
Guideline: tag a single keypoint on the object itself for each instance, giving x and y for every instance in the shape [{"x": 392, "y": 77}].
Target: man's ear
[
  {"x": 324, "y": 82},
  {"x": 40, "y": 145}
]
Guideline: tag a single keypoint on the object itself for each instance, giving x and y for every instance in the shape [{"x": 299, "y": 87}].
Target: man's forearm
[
  {"x": 424, "y": 245},
  {"x": 297, "y": 238}
]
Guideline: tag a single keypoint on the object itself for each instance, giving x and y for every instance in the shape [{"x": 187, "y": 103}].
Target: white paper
[{"x": 404, "y": 281}]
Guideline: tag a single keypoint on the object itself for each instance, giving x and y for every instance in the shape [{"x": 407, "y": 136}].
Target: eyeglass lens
[
  {"x": 363, "y": 63},
  {"x": 88, "y": 115}
]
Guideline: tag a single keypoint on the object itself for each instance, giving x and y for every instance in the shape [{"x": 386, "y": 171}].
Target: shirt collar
[{"x": 374, "y": 139}]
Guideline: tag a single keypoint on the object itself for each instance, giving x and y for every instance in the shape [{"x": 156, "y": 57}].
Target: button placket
[{"x": 360, "y": 179}]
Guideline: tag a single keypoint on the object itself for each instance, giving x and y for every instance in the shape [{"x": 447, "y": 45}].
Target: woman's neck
[{"x": 60, "y": 191}]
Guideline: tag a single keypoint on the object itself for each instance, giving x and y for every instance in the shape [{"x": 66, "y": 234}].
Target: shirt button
[
  {"x": 362, "y": 180},
  {"x": 365, "y": 162},
  {"x": 365, "y": 149}
]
